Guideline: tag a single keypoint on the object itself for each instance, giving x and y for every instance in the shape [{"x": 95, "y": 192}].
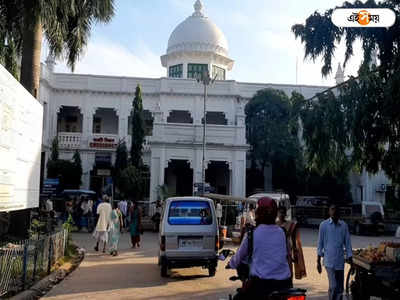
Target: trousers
[{"x": 336, "y": 283}]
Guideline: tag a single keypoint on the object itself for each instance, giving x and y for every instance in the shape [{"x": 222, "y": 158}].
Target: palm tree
[{"x": 65, "y": 24}]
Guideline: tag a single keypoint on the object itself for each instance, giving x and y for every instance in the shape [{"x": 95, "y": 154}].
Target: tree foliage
[
  {"x": 66, "y": 26},
  {"x": 358, "y": 123},
  {"x": 271, "y": 131},
  {"x": 137, "y": 129},
  {"x": 76, "y": 159},
  {"x": 121, "y": 163},
  {"x": 54, "y": 149},
  {"x": 131, "y": 183},
  {"x": 69, "y": 172},
  {"x": 273, "y": 135},
  {"x": 64, "y": 170}
]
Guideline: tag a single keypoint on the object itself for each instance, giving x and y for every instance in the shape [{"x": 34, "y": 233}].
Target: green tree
[
  {"x": 121, "y": 163},
  {"x": 78, "y": 168},
  {"x": 362, "y": 114},
  {"x": 272, "y": 133},
  {"x": 137, "y": 135},
  {"x": 131, "y": 183},
  {"x": 54, "y": 149},
  {"x": 66, "y": 26},
  {"x": 65, "y": 170}
]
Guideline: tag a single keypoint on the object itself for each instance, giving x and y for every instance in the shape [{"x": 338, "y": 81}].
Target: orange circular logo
[{"x": 364, "y": 17}]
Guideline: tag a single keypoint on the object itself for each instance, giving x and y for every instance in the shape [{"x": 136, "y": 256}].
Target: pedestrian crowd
[
  {"x": 113, "y": 220},
  {"x": 106, "y": 219}
]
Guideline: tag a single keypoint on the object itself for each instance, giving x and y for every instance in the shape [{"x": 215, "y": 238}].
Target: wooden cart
[{"x": 366, "y": 280}]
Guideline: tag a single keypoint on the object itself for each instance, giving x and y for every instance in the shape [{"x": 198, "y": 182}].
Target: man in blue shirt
[{"x": 333, "y": 237}]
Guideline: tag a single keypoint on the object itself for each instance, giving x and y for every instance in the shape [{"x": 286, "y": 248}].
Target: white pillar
[
  {"x": 239, "y": 174},
  {"x": 197, "y": 166},
  {"x": 157, "y": 171},
  {"x": 87, "y": 165}
]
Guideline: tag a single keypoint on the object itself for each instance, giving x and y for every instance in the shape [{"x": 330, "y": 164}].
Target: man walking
[
  {"x": 333, "y": 238},
  {"x": 103, "y": 224}
]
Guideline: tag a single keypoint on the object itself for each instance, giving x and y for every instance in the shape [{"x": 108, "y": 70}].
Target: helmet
[{"x": 267, "y": 210}]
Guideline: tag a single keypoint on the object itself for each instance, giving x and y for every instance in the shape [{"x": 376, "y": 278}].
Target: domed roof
[{"x": 198, "y": 33}]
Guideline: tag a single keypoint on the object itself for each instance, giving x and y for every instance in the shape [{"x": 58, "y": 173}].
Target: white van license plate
[{"x": 190, "y": 243}]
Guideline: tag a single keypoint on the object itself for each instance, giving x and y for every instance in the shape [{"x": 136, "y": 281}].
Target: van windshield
[{"x": 190, "y": 213}]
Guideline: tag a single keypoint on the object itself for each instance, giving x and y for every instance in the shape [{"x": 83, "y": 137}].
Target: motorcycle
[{"x": 243, "y": 276}]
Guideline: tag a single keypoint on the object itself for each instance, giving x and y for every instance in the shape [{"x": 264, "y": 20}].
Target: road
[{"x": 134, "y": 274}]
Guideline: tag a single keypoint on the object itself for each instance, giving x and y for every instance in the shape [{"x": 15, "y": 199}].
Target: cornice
[
  {"x": 199, "y": 145},
  {"x": 155, "y": 94}
]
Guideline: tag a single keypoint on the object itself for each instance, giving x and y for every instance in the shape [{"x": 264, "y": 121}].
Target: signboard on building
[
  {"x": 50, "y": 187},
  {"x": 100, "y": 142},
  {"x": 21, "y": 118}
]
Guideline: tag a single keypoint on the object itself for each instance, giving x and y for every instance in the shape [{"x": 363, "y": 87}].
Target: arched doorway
[
  {"x": 218, "y": 176},
  {"x": 179, "y": 178}
]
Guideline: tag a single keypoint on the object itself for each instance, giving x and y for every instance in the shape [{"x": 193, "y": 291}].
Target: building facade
[{"x": 91, "y": 113}]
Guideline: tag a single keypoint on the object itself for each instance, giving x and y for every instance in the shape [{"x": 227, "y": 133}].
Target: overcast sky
[{"x": 258, "y": 33}]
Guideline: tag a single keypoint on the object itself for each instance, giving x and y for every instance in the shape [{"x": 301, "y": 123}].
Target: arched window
[
  {"x": 180, "y": 116},
  {"x": 215, "y": 118},
  {"x": 148, "y": 123}
]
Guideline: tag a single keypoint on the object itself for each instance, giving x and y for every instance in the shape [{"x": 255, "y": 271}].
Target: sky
[{"x": 258, "y": 32}]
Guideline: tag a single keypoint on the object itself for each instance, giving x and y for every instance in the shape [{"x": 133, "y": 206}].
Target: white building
[{"x": 91, "y": 113}]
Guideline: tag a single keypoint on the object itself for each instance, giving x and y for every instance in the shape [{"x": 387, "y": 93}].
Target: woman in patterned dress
[{"x": 115, "y": 229}]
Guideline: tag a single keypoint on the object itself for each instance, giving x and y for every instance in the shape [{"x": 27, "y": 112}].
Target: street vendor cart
[{"x": 375, "y": 273}]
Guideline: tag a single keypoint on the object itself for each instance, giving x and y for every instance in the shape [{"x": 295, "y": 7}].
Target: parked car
[{"x": 188, "y": 234}]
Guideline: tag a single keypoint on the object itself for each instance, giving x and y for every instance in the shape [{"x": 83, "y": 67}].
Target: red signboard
[{"x": 103, "y": 142}]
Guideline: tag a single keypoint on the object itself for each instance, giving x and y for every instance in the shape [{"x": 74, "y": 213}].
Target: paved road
[{"x": 134, "y": 274}]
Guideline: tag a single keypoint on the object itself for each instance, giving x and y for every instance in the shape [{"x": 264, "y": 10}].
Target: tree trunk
[{"x": 31, "y": 52}]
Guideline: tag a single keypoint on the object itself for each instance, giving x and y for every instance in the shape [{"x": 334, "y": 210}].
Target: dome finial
[{"x": 198, "y": 9}]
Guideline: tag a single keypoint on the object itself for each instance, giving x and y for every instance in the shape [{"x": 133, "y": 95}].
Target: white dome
[{"x": 198, "y": 33}]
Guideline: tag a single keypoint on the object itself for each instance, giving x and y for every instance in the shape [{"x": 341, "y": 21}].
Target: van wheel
[
  {"x": 164, "y": 270},
  {"x": 212, "y": 270}
]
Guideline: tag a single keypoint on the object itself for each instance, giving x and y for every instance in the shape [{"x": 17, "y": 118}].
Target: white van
[{"x": 188, "y": 234}]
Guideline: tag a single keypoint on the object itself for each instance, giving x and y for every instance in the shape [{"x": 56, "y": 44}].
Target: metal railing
[{"x": 23, "y": 263}]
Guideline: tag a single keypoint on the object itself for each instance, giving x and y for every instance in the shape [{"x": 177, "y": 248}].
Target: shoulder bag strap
[{"x": 250, "y": 240}]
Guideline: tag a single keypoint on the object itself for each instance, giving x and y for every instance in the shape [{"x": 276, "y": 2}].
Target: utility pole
[{"x": 206, "y": 80}]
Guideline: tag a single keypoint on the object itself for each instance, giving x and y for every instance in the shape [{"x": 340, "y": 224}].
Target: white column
[
  {"x": 184, "y": 70},
  {"x": 197, "y": 166},
  {"x": 87, "y": 165},
  {"x": 54, "y": 123},
  {"x": 156, "y": 171},
  {"x": 239, "y": 174},
  {"x": 122, "y": 125}
]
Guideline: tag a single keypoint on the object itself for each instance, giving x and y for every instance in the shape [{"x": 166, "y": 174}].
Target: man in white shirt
[
  {"x": 49, "y": 205},
  {"x": 104, "y": 210}
]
